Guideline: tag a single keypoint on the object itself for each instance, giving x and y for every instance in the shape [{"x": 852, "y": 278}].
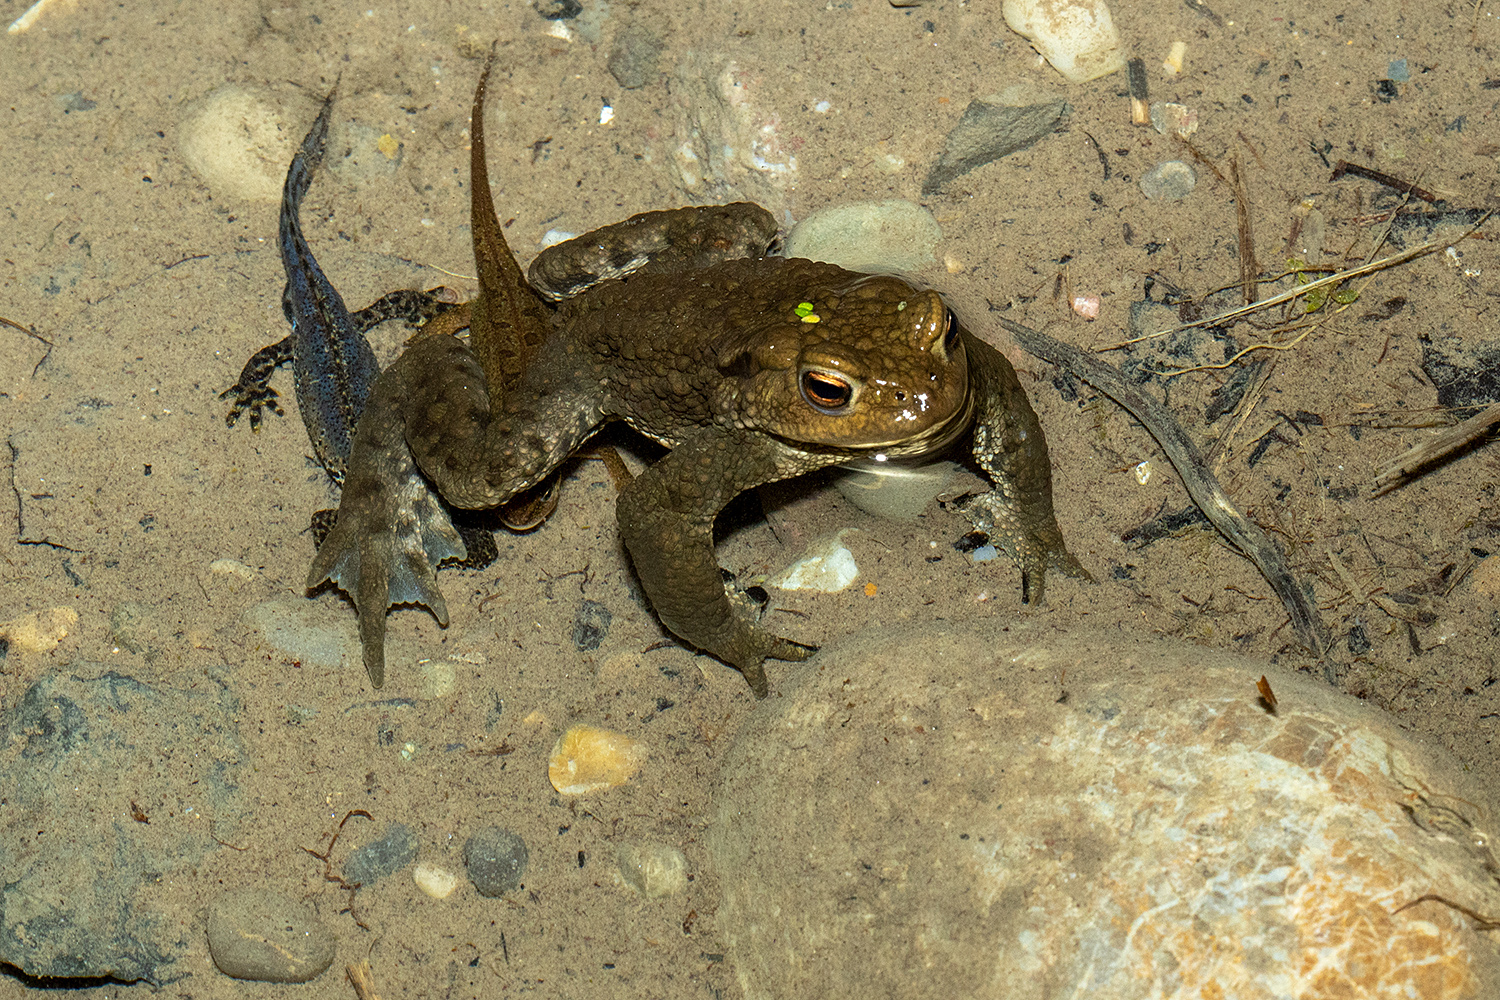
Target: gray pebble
[
  {"x": 263, "y": 935},
  {"x": 496, "y": 860},
  {"x": 633, "y": 60},
  {"x": 988, "y": 131},
  {"x": 396, "y": 849},
  {"x": 591, "y": 625},
  {"x": 1169, "y": 181}
]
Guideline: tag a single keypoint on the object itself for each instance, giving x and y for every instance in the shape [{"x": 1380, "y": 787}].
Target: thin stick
[
  {"x": 362, "y": 979},
  {"x": 1300, "y": 290},
  {"x": 1405, "y": 465},
  {"x": 1344, "y": 167},
  {"x": 1174, "y": 372},
  {"x": 1248, "y": 285}
]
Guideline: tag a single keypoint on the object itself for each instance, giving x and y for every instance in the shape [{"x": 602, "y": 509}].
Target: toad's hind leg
[{"x": 391, "y": 532}]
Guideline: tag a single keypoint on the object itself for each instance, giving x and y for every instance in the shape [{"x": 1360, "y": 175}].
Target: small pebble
[
  {"x": 653, "y": 870},
  {"x": 1172, "y": 64},
  {"x": 827, "y": 567},
  {"x": 438, "y": 679},
  {"x": 231, "y": 567},
  {"x": 265, "y": 936},
  {"x": 1174, "y": 118},
  {"x": 1086, "y": 306},
  {"x": 39, "y": 631},
  {"x": 633, "y": 60},
  {"x": 396, "y": 849},
  {"x": 438, "y": 883},
  {"x": 496, "y": 861},
  {"x": 1169, "y": 181},
  {"x": 591, "y": 625},
  {"x": 588, "y": 759}
]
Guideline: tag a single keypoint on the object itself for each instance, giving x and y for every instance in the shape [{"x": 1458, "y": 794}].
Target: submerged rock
[
  {"x": 496, "y": 860},
  {"x": 872, "y": 237},
  {"x": 1012, "y": 813},
  {"x": 267, "y": 937},
  {"x": 110, "y": 786}
]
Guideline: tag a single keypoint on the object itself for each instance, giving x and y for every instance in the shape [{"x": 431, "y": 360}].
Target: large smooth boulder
[{"x": 1010, "y": 813}]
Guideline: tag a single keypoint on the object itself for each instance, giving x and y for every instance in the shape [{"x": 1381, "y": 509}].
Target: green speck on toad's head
[{"x": 805, "y": 313}]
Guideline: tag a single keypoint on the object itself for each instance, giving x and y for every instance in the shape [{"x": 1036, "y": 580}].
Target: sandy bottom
[{"x": 142, "y": 290}]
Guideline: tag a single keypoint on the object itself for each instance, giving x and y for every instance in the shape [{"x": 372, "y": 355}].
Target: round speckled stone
[
  {"x": 496, "y": 860},
  {"x": 265, "y": 936}
]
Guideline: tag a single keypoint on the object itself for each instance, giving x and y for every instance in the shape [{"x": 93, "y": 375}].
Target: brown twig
[
  {"x": 1344, "y": 167},
  {"x": 326, "y": 856},
  {"x": 362, "y": 979},
  {"x": 1205, "y": 491},
  {"x": 1140, "y": 99},
  {"x": 1248, "y": 266},
  {"x": 1401, "y": 469}
]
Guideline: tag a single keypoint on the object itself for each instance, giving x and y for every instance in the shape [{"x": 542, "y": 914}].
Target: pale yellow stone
[
  {"x": 438, "y": 883},
  {"x": 653, "y": 870},
  {"x": 231, "y": 567},
  {"x": 239, "y": 141},
  {"x": 588, "y": 759},
  {"x": 1077, "y": 37},
  {"x": 438, "y": 678},
  {"x": 1486, "y": 577},
  {"x": 39, "y": 631}
]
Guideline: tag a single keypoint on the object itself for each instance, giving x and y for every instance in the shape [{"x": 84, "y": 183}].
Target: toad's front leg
[
  {"x": 1012, "y": 450},
  {"x": 667, "y": 521}
]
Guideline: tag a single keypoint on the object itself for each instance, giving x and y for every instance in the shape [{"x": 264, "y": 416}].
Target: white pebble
[
  {"x": 438, "y": 883},
  {"x": 827, "y": 567},
  {"x": 1077, "y": 37},
  {"x": 231, "y": 567},
  {"x": 653, "y": 870}
]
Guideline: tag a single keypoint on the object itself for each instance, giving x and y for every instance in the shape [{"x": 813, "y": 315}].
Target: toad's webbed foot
[
  {"x": 252, "y": 390},
  {"x": 391, "y": 533},
  {"x": 1034, "y": 548},
  {"x": 1009, "y": 445},
  {"x": 666, "y": 520},
  {"x": 476, "y": 528}
]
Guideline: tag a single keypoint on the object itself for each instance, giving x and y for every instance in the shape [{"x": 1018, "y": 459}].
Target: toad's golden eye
[
  {"x": 825, "y": 392},
  {"x": 950, "y": 338}
]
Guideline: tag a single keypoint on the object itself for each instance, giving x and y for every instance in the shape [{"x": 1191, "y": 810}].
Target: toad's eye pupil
[
  {"x": 950, "y": 338},
  {"x": 825, "y": 391}
]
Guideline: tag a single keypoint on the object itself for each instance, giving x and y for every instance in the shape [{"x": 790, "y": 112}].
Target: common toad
[{"x": 750, "y": 368}]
